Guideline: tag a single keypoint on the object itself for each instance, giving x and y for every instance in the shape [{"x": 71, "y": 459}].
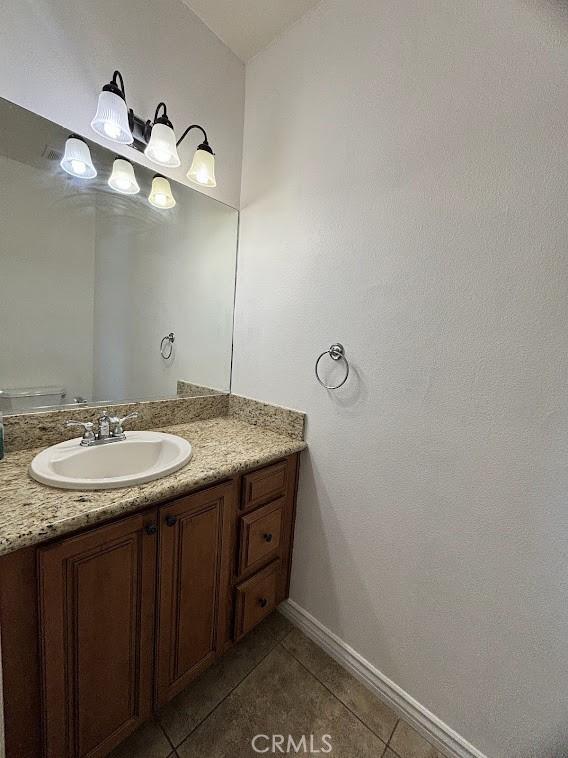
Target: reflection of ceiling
[
  {"x": 28, "y": 138},
  {"x": 248, "y": 26}
]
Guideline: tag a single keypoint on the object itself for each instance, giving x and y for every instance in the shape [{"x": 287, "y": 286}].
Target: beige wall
[{"x": 404, "y": 192}]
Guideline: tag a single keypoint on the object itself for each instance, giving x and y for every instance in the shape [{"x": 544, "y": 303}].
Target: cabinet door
[
  {"x": 194, "y": 532},
  {"x": 97, "y": 603}
]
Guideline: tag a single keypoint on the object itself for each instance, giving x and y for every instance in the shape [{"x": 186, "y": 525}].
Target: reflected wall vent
[{"x": 51, "y": 153}]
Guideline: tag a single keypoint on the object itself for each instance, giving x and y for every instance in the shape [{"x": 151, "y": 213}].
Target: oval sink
[{"x": 141, "y": 457}]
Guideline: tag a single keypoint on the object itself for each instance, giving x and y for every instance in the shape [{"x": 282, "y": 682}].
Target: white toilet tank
[{"x": 16, "y": 399}]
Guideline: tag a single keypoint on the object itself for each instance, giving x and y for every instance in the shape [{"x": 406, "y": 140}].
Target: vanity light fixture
[
  {"x": 161, "y": 195},
  {"x": 115, "y": 121},
  {"x": 161, "y": 148},
  {"x": 111, "y": 119},
  {"x": 77, "y": 159},
  {"x": 123, "y": 178}
]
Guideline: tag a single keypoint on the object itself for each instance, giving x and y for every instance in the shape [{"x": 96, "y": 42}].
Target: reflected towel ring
[
  {"x": 168, "y": 340},
  {"x": 337, "y": 353}
]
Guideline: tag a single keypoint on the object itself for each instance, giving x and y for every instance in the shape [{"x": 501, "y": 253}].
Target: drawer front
[
  {"x": 256, "y": 598},
  {"x": 260, "y": 535},
  {"x": 263, "y": 486}
]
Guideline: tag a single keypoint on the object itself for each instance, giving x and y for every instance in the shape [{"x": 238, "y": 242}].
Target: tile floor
[{"x": 276, "y": 681}]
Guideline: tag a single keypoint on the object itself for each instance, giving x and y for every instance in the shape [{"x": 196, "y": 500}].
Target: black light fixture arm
[
  {"x": 163, "y": 119},
  {"x": 204, "y": 146},
  {"x": 118, "y": 76},
  {"x": 116, "y": 85}
]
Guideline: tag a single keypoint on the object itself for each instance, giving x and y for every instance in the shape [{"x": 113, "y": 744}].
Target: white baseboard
[{"x": 433, "y": 729}]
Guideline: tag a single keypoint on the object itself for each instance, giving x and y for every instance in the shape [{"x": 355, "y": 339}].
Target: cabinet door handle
[
  {"x": 171, "y": 520},
  {"x": 268, "y": 537},
  {"x": 263, "y": 602},
  {"x": 151, "y": 529}
]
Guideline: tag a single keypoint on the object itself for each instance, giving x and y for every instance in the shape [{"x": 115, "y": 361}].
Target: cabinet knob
[
  {"x": 263, "y": 602},
  {"x": 268, "y": 537},
  {"x": 171, "y": 520},
  {"x": 151, "y": 529}
]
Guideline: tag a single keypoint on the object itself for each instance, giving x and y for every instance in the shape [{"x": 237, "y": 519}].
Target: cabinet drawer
[
  {"x": 256, "y": 598},
  {"x": 260, "y": 535},
  {"x": 265, "y": 485}
]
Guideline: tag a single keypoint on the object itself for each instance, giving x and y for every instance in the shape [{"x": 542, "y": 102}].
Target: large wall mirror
[{"x": 94, "y": 281}]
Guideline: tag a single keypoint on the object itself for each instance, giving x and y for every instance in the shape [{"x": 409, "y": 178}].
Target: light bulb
[
  {"x": 77, "y": 159},
  {"x": 202, "y": 169},
  {"x": 161, "y": 148},
  {"x": 123, "y": 178},
  {"x": 111, "y": 118},
  {"x": 78, "y": 166},
  {"x": 161, "y": 194},
  {"x": 161, "y": 156},
  {"x": 111, "y": 130}
]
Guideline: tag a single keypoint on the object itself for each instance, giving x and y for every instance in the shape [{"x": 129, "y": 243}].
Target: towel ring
[
  {"x": 337, "y": 353},
  {"x": 168, "y": 340}
]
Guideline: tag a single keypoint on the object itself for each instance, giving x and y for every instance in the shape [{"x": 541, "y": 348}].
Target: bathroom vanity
[
  {"x": 102, "y": 623},
  {"x": 113, "y": 600}
]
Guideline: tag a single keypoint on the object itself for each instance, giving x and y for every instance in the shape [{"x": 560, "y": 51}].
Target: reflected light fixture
[
  {"x": 123, "y": 178},
  {"x": 111, "y": 119},
  {"x": 115, "y": 121},
  {"x": 161, "y": 148},
  {"x": 161, "y": 193},
  {"x": 77, "y": 159}
]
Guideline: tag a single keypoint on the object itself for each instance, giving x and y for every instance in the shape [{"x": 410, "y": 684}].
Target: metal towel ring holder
[
  {"x": 167, "y": 341},
  {"x": 337, "y": 353}
]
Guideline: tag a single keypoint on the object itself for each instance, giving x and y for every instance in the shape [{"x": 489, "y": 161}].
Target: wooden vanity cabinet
[
  {"x": 114, "y": 621},
  {"x": 96, "y": 596},
  {"x": 194, "y": 555}
]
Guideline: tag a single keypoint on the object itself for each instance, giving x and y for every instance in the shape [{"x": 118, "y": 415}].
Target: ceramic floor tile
[
  {"x": 191, "y": 706},
  {"x": 280, "y": 697},
  {"x": 278, "y": 626},
  {"x": 372, "y": 711},
  {"x": 407, "y": 743},
  {"x": 147, "y": 742}
]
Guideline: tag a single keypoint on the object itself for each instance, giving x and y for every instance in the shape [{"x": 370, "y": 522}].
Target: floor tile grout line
[
  {"x": 397, "y": 722},
  {"x": 339, "y": 700},
  {"x": 173, "y": 747},
  {"x": 212, "y": 711}
]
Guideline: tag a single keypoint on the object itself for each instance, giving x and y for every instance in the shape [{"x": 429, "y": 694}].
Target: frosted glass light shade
[
  {"x": 77, "y": 159},
  {"x": 202, "y": 169},
  {"x": 161, "y": 193},
  {"x": 123, "y": 178},
  {"x": 162, "y": 146},
  {"x": 111, "y": 118}
]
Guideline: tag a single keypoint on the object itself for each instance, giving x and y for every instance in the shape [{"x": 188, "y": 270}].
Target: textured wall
[
  {"x": 47, "y": 271},
  {"x": 57, "y": 54},
  {"x": 404, "y": 192}
]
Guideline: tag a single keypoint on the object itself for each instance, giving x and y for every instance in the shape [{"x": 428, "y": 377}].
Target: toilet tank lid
[{"x": 31, "y": 391}]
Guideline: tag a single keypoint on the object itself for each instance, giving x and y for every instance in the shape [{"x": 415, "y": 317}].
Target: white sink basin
[{"x": 141, "y": 457}]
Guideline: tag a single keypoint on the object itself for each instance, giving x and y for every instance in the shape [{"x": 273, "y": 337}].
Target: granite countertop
[{"x": 31, "y": 513}]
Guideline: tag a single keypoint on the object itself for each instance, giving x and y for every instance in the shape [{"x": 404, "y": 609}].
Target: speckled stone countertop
[{"x": 31, "y": 513}]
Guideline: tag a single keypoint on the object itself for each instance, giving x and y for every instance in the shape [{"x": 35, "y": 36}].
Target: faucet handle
[
  {"x": 88, "y": 433},
  {"x": 117, "y": 423}
]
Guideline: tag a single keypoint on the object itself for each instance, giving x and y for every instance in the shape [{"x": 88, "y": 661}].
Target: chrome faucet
[{"x": 110, "y": 429}]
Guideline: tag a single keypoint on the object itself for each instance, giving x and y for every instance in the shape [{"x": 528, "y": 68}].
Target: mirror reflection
[{"x": 116, "y": 286}]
